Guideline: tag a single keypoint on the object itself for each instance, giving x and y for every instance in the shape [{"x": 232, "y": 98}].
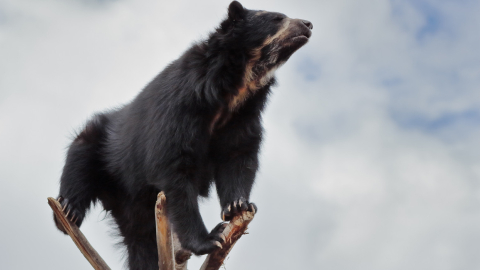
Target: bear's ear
[{"x": 236, "y": 11}]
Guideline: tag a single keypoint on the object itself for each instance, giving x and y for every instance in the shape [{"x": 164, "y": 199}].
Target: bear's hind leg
[
  {"x": 83, "y": 172},
  {"x": 142, "y": 253},
  {"x": 135, "y": 218}
]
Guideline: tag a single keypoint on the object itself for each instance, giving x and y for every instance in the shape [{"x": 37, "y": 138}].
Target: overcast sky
[{"x": 371, "y": 157}]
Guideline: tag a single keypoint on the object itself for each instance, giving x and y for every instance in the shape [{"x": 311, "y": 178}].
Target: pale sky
[{"x": 371, "y": 157}]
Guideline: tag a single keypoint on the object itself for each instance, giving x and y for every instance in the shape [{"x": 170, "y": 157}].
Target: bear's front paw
[
  {"x": 216, "y": 235},
  {"x": 235, "y": 207},
  {"x": 71, "y": 212},
  {"x": 215, "y": 240}
]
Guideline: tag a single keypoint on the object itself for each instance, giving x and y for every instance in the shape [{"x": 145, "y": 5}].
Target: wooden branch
[
  {"x": 171, "y": 256},
  {"x": 165, "y": 249},
  {"x": 234, "y": 230},
  {"x": 77, "y": 236}
]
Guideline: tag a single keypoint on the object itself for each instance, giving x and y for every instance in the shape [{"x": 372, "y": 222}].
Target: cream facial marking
[
  {"x": 249, "y": 75},
  {"x": 251, "y": 82},
  {"x": 280, "y": 34}
]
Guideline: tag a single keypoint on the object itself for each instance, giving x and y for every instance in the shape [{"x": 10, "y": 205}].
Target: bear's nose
[{"x": 308, "y": 24}]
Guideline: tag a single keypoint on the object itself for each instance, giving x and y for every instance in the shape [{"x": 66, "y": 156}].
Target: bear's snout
[{"x": 308, "y": 24}]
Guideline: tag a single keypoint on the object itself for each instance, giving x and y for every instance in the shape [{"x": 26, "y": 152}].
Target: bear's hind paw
[{"x": 72, "y": 213}]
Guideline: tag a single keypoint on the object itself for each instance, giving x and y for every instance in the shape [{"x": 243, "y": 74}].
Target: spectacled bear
[{"x": 197, "y": 123}]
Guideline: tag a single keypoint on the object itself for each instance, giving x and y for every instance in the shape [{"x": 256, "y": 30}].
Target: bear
[{"x": 196, "y": 124}]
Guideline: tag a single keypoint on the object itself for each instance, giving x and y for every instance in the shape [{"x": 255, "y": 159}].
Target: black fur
[{"x": 182, "y": 133}]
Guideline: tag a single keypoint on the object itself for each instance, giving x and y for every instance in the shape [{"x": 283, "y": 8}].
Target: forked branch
[{"x": 171, "y": 256}]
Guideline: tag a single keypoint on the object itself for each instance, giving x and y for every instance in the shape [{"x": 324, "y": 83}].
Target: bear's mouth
[
  {"x": 292, "y": 43},
  {"x": 299, "y": 38},
  {"x": 303, "y": 36}
]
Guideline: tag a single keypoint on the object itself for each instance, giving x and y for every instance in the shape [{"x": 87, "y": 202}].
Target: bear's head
[{"x": 256, "y": 43}]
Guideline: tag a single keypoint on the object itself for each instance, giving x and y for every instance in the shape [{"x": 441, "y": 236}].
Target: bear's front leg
[
  {"x": 234, "y": 180},
  {"x": 183, "y": 212}
]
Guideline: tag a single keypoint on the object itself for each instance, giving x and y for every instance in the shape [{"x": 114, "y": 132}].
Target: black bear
[{"x": 197, "y": 123}]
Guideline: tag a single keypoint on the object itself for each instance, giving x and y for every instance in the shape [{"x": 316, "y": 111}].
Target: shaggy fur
[{"x": 197, "y": 123}]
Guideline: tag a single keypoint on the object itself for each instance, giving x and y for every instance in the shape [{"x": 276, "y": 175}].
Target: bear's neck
[{"x": 250, "y": 87}]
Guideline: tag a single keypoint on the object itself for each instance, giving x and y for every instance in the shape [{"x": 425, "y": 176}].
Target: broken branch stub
[
  {"x": 164, "y": 236},
  {"x": 171, "y": 256}
]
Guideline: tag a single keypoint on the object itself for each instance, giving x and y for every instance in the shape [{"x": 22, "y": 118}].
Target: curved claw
[
  {"x": 237, "y": 206},
  {"x": 216, "y": 243},
  {"x": 252, "y": 208}
]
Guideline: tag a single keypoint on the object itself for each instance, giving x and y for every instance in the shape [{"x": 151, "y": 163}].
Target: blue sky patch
[
  {"x": 432, "y": 17},
  {"x": 467, "y": 118}
]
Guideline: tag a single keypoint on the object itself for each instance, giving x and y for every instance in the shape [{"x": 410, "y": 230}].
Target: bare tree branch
[
  {"x": 234, "y": 230},
  {"x": 78, "y": 238}
]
